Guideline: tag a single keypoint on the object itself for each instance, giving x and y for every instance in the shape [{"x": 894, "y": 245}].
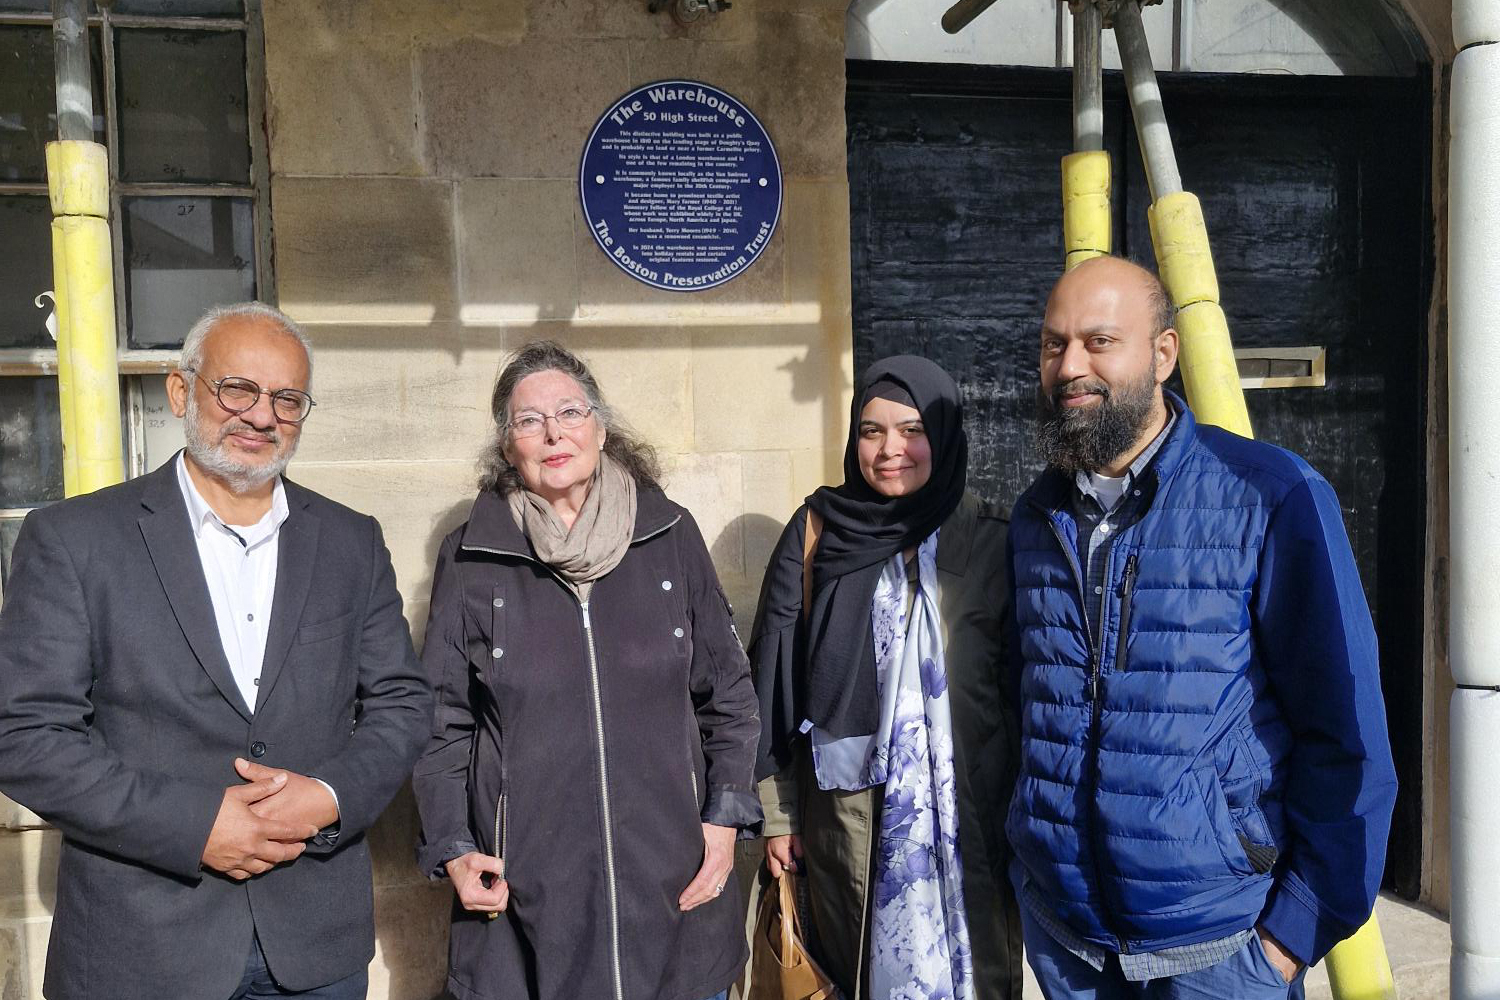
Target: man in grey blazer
[{"x": 207, "y": 685}]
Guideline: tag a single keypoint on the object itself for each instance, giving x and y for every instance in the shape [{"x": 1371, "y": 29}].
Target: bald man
[{"x": 1206, "y": 781}]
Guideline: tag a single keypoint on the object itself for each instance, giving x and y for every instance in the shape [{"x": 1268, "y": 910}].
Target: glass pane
[
  {"x": 28, "y": 105},
  {"x": 182, "y": 257},
  {"x": 181, "y": 8},
  {"x": 30, "y": 441},
  {"x": 31, "y": 6},
  {"x": 182, "y": 106},
  {"x": 161, "y": 431},
  {"x": 26, "y": 230}
]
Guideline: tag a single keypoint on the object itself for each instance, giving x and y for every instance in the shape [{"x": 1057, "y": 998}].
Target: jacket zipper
[
  {"x": 609, "y": 839},
  {"x": 1095, "y": 722},
  {"x": 502, "y": 832}
]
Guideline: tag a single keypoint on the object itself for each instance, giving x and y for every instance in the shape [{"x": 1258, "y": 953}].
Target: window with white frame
[{"x": 178, "y": 88}]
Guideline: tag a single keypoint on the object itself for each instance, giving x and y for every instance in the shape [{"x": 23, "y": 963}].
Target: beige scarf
[{"x": 600, "y": 534}]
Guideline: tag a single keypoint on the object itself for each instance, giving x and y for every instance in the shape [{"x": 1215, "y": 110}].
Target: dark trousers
[{"x": 258, "y": 983}]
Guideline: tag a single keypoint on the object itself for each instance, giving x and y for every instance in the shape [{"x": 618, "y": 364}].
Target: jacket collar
[
  {"x": 492, "y": 528},
  {"x": 956, "y": 538},
  {"x": 167, "y": 529},
  {"x": 1052, "y": 490}
]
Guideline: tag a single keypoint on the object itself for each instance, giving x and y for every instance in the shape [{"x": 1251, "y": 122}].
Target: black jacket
[
  {"x": 120, "y": 722},
  {"x": 586, "y": 745}
]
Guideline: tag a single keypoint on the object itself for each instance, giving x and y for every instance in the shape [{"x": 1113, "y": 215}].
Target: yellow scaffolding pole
[{"x": 82, "y": 270}]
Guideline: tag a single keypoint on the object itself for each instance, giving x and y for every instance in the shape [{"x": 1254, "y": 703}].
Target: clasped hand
[{"x": 267, "y": 821}]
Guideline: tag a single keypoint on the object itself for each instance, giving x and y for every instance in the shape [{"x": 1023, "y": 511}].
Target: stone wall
[{"x": 424, "y": 195}]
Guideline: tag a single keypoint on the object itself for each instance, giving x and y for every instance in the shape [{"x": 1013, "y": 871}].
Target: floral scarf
[{"x": 919, "y": 934}]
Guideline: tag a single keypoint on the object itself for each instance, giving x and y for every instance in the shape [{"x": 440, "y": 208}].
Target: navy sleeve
[{"x": 1317, "y": 644}]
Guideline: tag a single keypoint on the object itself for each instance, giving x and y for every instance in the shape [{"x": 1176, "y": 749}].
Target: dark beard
[{"x": 1089, "y": 439}]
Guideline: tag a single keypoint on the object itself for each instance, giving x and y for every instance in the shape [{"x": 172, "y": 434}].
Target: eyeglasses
[
  {"x": 236, "y": 395},
  {"x": 530, "y": 424}
]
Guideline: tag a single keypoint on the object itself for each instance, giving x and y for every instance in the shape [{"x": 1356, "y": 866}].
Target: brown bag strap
[
  {"x": 791, "y": 923},
  {"x": 810, "y": 533}
]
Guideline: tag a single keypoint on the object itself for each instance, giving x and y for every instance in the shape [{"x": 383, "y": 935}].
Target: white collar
[{"x": 201, "y": 514}]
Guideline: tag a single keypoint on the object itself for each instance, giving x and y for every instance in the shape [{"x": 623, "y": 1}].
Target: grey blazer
[{"x": 120, "y": 721}]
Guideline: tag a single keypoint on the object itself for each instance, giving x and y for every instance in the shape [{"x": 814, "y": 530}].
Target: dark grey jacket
[
  {"x": 120, "y": 722},
  {"x": 587, "y": 746}
]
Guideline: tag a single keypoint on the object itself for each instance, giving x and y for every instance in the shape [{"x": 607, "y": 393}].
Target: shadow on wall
[
  {"x": 755, "y": 536},
  {"x": 411, "y": 912}
]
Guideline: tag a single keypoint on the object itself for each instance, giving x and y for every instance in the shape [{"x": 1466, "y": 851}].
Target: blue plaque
[{"x": 680, "y": 185}]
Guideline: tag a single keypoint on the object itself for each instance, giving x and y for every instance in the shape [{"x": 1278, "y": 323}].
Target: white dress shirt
[{"x": 239, "y": 564}]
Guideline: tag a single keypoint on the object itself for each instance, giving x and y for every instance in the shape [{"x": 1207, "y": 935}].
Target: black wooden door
[{"x": 1316, "y": 197}]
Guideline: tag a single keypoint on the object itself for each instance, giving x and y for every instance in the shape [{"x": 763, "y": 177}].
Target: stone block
[
  {"x": 411, "y": 941},
  {"x": 23, "y": 955},
  {"x": 615, "y": 20},
  {"x": 815, "y": 215},
  {"x": 417, "y": 504},
  {"x": 28, "y": 871},
  {"x": 711, "y": 487},
  {"x": 364, "y": 250},
  {"x": 517, "y": 110},
  {"x": 14, "y": 816},
  {"x": 814, "y": 467},
  {"x": 764, "y": 389},
  {"x": 397, "y": 393},
  {"x": 769, "y": 501},
  {"x": 517, "y": 259},
  {"x": 339, "y": 91},
  {"x": 645, "y": 373},
  {"x": 443, "y": 19},
  {"x": 789, "y": 72}
]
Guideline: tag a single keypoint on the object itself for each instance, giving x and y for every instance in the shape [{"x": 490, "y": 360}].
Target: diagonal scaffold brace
[{"x": 1358, "y": 968}]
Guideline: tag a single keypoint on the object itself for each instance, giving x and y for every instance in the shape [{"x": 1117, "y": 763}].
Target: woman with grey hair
[{"x": 591, "y": 758}]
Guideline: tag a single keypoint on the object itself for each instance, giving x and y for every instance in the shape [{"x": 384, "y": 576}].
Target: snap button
[
  {"x": 498, "y": 602},
  {"x": 257, "y": 749},
  {"x": 497, "y": 652},
  {"x": 677, "y": 632},
  {"x": 1104, "y": 528},
  {"x": 666, "y": 585}
]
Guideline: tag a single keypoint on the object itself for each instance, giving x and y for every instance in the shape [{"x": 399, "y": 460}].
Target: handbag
[{"x": 781, "y": 968}]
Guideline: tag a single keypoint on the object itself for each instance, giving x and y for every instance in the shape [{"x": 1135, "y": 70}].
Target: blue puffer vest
[{"x": 1148, "y": 811}]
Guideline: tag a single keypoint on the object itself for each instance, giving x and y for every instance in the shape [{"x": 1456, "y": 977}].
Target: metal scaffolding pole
[{"x": 83, "y": 269}]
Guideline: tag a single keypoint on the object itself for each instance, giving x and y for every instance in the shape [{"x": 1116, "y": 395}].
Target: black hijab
[{"x": 861, "y": 530}]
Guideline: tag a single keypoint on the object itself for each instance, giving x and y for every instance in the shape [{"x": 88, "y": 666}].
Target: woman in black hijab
[{"x": 887, "y": 745}]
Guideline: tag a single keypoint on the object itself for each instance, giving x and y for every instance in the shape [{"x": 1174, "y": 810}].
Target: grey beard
[
  {"x": 211, "y": 457},
  {"x": 1087, "y": 440}
]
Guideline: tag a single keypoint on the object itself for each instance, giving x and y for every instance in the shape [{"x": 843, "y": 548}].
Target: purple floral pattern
[{"x": 919, "y": 936}]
